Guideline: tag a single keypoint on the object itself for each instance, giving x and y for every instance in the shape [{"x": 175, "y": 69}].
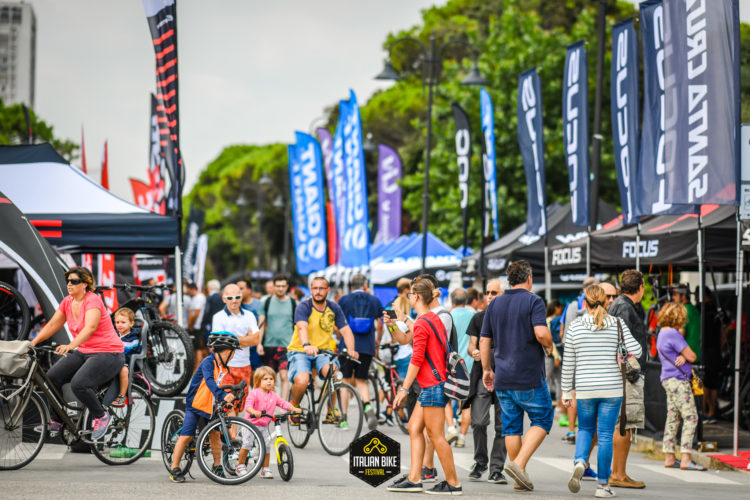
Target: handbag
[
  {"x": 695, "y": 381},
  {"x": 630, "y": 362},
  {"x": 14, "y": 359},
  {"x": 457, "y": 382}
]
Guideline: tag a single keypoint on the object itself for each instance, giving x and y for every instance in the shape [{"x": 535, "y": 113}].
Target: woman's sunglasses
[{"x": 75, "y": 281}]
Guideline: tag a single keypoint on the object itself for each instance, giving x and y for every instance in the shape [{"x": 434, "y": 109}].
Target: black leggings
[{"x": 86, "y": 372}]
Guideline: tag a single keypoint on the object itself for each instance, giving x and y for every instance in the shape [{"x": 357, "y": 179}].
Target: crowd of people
[{"x": 520, "y": 355}]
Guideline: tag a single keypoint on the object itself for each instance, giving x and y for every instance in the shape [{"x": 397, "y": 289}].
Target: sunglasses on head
[
  {"x": 75, "y": 281},
  {"x": 492, "y": 292},
  {"x": 234, "y": 297}
]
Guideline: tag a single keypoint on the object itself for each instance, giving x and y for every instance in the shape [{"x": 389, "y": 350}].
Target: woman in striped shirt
[{"x": 590, "y": 362}]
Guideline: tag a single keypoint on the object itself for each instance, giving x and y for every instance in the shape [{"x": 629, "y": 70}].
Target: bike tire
[
  {"x": 372, "y": 387},
  {"x": 130, "y": 431},
  {"x": 230, "y": 448},
  {"x": 168, "y": 377},
  {"x": 34, "y": 414},
  {"x": 169, "y": 432},
  {"x": 403, "y": 422},
  {"x": 335, "y": 439},
  {"x": 14, "y": 314},
  {"x": 286, "y": 462},
  {"x": 300, "y": 434}
]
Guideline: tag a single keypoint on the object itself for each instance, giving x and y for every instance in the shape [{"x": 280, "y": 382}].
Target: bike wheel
[
  {"x": 19, "y": 442},
  {"x": 237, "y": 434},
  {"x": 170, "y": 432},
  {"x": 340, "y": 417},
  {"x": 130, "y": 431},
  {"x": 14, "y": 314},
  {"x": 171, "y": 358},
  {"x": 286, "y": 462},
  {"x": 300, "y": 434}
]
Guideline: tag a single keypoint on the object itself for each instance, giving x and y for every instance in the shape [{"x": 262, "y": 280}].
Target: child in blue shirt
[{"x": 131, "y": 339}]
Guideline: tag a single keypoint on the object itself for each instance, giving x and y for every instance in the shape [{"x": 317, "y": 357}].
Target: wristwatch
[
  {"x": 306, "y": 344},
  {"x": 402, "y": 388}
]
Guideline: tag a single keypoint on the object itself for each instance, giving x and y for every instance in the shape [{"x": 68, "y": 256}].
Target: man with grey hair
[{"x": 363, "y": 311}]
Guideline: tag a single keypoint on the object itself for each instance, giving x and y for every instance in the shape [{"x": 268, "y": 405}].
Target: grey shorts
[
  {"x": 635, "y": 406},
  {"x": 248, "y": 439}
]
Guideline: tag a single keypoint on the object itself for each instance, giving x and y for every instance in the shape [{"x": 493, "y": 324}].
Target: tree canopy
[{"x": 13, "y": 130}]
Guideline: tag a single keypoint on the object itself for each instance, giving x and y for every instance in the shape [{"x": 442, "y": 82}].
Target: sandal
[
  {"x": 119, "y": 401},
  {"x": 675, "y": 465},
  {"x": 693, "y": 466}
]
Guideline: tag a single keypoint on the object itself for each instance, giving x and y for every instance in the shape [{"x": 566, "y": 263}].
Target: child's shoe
[{"x": 266, "y": 473}]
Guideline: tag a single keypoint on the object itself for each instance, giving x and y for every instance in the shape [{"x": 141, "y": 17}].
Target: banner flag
[
  {"x": 106, "y": 268},
  {"x": 105, "y": 168},
  {"x": 702, "y": 93},
  {"x": 200, "y": 260},
  {"x": 141, "y": 194},
  {"x": 531, "y": 142},
  {"x": 87, "y": 261},
  {"x": 190, "y": 243},
  {"x": 160, "y": 158},
  {"x": 463, "y": 158},
  {"x": 624, "y": 103},
  {"x": 338, "y": 177},
  {"x": 389, "y": 194},
  {"x": 326, "y": 147},
  {"x": 488, "y": 164},
  {"x": 162, "y": 21},
  {"x": 83, "y": 153},
  {"x": 576, "y": 129},
  {"x": 308, "y": 204},
  {"x": 354, "y": 233}
]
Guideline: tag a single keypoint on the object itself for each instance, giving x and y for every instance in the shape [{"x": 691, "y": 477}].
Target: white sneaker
[
  {"x": 266, "y": 473},
  {"x": 451, "y": 435},
  {"x": 460, "y": 442},
  {"x": 241, "y": 470},
  {"x": 574, "y": 484},
  {"x": 604, "y": 493}
]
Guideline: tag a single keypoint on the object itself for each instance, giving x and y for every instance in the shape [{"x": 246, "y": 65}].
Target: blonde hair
[
  {"x": 672, "y": 315},
  {"x": 261, "y": 373},
  {"x": 595, "y": 299},
  {"x": 127, "y": 312}
]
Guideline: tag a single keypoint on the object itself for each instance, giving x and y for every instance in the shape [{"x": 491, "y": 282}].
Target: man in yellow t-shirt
[{"x": 315, "y": 321}]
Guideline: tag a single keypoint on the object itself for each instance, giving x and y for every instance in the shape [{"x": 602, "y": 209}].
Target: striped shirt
[{"x": 590, "y": 358}]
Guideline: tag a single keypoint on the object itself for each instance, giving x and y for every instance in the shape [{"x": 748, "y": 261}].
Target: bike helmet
[{"x": 220, "y": 341}]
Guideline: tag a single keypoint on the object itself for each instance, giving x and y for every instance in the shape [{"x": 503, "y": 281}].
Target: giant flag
[
  {"x": 463, "y": 159},
  {"x": 531, "y": 141},
  {"x": 488, "y": 164},
  {"x": 702, "y": 92},
  {"x": 389, "y": 193},
  {"x": 624, "y": 103},
  {"x": 308, "y": 207},
  {"x": 576, "y": 130}
]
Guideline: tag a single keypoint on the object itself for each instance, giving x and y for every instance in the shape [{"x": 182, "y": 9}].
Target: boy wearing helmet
[{"x": 199, "y": 402}]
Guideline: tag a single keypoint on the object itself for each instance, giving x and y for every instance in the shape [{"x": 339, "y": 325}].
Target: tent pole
[
  {"x": 547, "y": 273},
  {"x": 701, "y": 295},
  {"x": 178, "y": 285},
  {"x": 738, "y": 338},
  {"x": 638, "y": 247},
  {"x": 588, "y": 251}
]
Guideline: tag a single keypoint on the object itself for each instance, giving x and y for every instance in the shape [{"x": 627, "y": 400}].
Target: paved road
[{"x": 61, "y": 475}]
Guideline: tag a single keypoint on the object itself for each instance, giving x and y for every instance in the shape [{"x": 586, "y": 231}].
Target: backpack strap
[{"x": 435, "y": 373}]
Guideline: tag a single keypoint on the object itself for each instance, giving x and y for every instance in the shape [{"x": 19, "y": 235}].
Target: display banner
[
  {"x": 338, "y": 176},
  {"x": 190, "y": 243},
  {"x": 624, "y": 104},
  {"x": 702, "y": 93},
  {"x": 141, "y": 194},
  {"x": 106, "y": 274},
  {"x": 326, "y": 147},
  {"x": 488, "y": 164},
  {"x": 354, "y": 233},
  {"x": 159, "y": 158},
  {"x": 308, "y": 204},
  {"x": 200, "y": 260},
  {"x": 463, "y": 159},
  {"x": 576, "y": 129},
  {"x": 162, "y": 21},
  {"x": 531, "y": 142},
  {"x": 389, "y": 193}
]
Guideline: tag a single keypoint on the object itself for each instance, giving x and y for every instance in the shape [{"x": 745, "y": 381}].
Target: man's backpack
[{"x": 359, "y": 313}]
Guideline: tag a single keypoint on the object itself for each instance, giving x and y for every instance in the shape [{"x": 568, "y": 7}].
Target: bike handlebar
[
  {"x": 343, "y": 353},
  {"x": 281, "y": 416}
]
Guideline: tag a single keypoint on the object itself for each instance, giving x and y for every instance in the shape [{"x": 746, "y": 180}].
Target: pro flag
[
  {"x": 83, "y": 153},
  {"x": 463, "y": 159},
  {"x": 141, "y": 194},
  {"x": 576, "y": 130},
  {"x": 702, "y": 92},
  {"x": 531, "y": 141},
  {"x": 105, "y": 168},
  {"x": 389, "y": 193},
  {"x": 488, "y": 164},
  {"x": 190, "y": 243},
  {"x": 160, "y": 157},
  {"x": 624, "y": 103}
]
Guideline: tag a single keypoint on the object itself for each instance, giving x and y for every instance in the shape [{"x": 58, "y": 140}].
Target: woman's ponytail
[{"x": 595, "y": 299}]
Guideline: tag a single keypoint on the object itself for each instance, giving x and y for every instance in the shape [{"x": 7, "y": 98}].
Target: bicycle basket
[{"x": 14, "y": 361}]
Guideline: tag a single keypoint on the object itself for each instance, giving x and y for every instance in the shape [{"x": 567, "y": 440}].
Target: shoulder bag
[{"x": 695, "y": 381}]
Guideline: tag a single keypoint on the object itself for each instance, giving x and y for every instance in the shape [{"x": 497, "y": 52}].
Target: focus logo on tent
[
  {"x": 375, "y": 458},
  {"x": 563, "y": 256},
  {"x": 648, "y": 248}
]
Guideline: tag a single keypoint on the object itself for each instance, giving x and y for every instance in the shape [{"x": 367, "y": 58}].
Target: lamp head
[
  {"x": 388, "y": 72},
  {"x": 475, "y": 78}
]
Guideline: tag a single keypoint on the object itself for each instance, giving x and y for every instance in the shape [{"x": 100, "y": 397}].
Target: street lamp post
[{"x": 431, "y": 65}]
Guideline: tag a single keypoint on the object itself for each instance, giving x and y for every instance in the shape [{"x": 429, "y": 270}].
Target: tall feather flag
[
  {"x": 105, "y": 168},
  {"x": 83, "y": 153}
]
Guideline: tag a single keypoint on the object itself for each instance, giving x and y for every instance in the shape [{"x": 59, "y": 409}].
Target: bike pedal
[{"x": 54, "y": 434}]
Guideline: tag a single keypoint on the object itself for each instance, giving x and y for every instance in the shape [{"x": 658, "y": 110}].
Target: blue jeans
[
  {"x": 535, "y": 402},
  {"x": 299, "y": 362},
  {"x": 597, "y": 415}
]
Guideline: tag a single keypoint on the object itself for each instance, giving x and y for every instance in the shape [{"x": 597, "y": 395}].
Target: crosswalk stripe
[
  {"x": 563, "y": 464},
  {"x": 688, "y": 476}
]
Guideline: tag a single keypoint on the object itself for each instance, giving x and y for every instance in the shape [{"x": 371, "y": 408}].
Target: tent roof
[{"x": 73, "y": 211}]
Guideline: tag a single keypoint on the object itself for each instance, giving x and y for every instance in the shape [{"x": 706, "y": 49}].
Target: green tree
[{"x": 13, "y": 130}]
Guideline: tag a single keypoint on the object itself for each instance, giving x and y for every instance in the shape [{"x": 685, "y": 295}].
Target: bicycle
[
  {"x": 24, "y": 417},
  {"x": 342, "y": 422},
  {"x": 388, "y": 383},
  {"x": 14, "y": 314},
  {"x": 225, "y": 433},
  {"x": 284, "y": 457},
  {"x": 170, "y": 359}
]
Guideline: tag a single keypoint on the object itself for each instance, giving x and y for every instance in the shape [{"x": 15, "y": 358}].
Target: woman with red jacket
[{"x": 428, "y": 368}]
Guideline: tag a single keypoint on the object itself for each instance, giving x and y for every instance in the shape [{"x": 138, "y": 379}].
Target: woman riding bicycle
[{"x": 95, "y": 355}]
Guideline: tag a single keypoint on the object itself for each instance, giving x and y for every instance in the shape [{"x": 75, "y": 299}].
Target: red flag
[
  {"x": 105, "y": 169},
  {"x": 106, "y": 266},
  {"x": 87, "y": 261},
  {"x": 83, "y": 153},
  {"x": 142, "y": 194},
  {"x": 333, "y": 240}
]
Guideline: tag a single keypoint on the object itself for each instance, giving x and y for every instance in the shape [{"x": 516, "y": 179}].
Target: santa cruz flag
[
  {"x": 576, "y": 130},
  {"x": 624, "y": 103},
  {"x": 308, "y": 208},
  {"x": 531, "y": 141},
  {"x": 702, "y": 93},
  {"x": 488, "y": 164}
]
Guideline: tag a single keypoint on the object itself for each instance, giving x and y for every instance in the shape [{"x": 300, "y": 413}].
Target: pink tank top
[{"x": 104, "y": 338}]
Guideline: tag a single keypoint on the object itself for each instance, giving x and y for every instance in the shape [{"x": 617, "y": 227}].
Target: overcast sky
[{"x": 250, "y": 71}]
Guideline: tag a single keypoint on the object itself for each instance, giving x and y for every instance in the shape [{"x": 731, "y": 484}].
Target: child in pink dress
[{"x": 262, "y": 399}]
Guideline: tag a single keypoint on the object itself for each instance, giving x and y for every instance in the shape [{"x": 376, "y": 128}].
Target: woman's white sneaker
[{"x": 604, "y": 492}]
